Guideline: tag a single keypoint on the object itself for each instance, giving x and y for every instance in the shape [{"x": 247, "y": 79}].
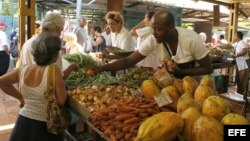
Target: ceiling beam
[
  {"x": 70, "y": 2},
  {"x": 218, "y": 2},
  {"x": 203, "y": 17},
  {"x": 189, "y": 12},
  {"x": 243, "y": 13}
]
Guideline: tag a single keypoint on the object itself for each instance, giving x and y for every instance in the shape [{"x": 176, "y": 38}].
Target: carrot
[
  {"x": 107, "y": 131},
  {"x": 132, "y": 120},
  {"x": 125, "y": 109},
  {"x": 118, "y": 125},
  {"x": 141, "y": 110},
  {"x": 112, "y": 115},
  {"x": 146, "y": 106},
  {"x": 143, "y": 115},
  {"x": 107, "y": 123},
  {"x": 127, "y": 128},
  {"x": 151, "y": 112},
  {"x": 128, "y": 136},
  {"x": 112, "y": 137},
  {"x": 128, "y": 101},
  {"x": 104, "y": 111},
  {"x": 123, "y": 117}
]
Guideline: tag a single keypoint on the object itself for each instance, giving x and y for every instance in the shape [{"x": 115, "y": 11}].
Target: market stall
[{"x": 127, "y": 108}]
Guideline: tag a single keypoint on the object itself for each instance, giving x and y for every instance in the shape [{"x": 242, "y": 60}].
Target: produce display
[
  {"x": 123, "y": 115},
  {"x": 220, "y": 52},
  {"x": 83, "y": 60},
  {"x": 120, "y": 122},
  {"x": 79, "y": 78},
  {"x": 101, "y": 96},
  {"x": 135, "y": 77}
]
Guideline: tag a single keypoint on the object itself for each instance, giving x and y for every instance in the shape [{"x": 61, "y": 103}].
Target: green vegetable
[
  {"x": 83, "y": 60},
  {"x": 134, "y": 77},
  {"x": 80, "y": 79}
]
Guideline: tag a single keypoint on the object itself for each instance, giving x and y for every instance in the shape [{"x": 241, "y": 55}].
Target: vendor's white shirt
[
  {"x": 190, "y": 47},
  {"x": 26, "y": 56},
  {"x": 151, "y": 60},
  {"x": 107, "y": 38},
  {"x": 122, "y": 40},
  {"x": 3, "y": 40},
  {"x": 241, "y": 60}
]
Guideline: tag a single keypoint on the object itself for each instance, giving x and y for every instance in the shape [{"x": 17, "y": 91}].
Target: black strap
[{"x": 168, "y": 50}]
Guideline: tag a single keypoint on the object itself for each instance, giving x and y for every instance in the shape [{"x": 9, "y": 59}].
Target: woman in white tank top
[{"x": 31, "y": 122}]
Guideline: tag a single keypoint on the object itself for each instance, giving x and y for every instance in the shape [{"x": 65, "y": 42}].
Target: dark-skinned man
[{"x": 184, "y": 46}]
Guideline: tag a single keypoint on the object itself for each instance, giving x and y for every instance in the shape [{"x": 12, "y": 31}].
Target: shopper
[
  {"x": 99, "y": 43},
  {"x": 184, "y": 46},
  {"x": 142, "y": 31},
  {"x": 4, "y": 50},
  {"x": 81, "y": 33},
  {"x": 52, "y": 22},
  {"x": 241, "y": 55},
  {"x": 31, "y": 122}
]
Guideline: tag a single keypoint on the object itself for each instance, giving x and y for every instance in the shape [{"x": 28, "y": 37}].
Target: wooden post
[
  {"x": 26, "y": 10},
  {"x": 233, "y": 22},
  {"x": 216, "y": 15},
  {"x": 115, "y": 5}
]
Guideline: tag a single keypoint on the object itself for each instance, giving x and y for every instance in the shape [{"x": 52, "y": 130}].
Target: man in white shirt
[
  {"x": 4, "y": 50},
  {"x": 184, "y": 46},
  {"x": 81, "y": 33},
  {"x": 53, "y": 22},
  {"x": 142, "y": 31},
  {"x": 242, "y": 70}
]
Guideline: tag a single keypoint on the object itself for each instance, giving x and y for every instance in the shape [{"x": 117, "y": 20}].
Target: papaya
[
  {"x": 202, "y": 93},
  {"x": 216, "y": 107},
  {"x": 186, "y": 101},
  {"x": 173, "y": 93},
  {"x": 234, "y": 119},
  {"x": 190, "y": 115},
  {"x": 207, "y": 128},
  {"x": 189, "y": 84},
  {"x": 208, "y": 81},
  {"x": 164, "y": 126},
  {"x": 149, "y": 89},
  {"x": 178, "y": 84}
]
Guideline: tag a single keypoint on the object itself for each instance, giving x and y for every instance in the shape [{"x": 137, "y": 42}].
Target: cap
[{"x": 3, "y": 24}]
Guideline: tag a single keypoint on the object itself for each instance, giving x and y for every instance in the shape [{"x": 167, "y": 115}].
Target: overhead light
[{"x": 90, "y": 2}]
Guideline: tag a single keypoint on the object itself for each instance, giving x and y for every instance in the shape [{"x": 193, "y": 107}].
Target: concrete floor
[{"x": 9, "y": 109}]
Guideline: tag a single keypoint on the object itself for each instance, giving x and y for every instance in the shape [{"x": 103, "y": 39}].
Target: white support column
[{"x": 78, "y": 8}]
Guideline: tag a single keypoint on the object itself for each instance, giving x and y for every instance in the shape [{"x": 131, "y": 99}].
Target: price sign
[{"x": 163, "y": 99}]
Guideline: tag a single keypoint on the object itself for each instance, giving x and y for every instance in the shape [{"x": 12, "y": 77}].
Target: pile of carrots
[{"x": 121, "y": 122}]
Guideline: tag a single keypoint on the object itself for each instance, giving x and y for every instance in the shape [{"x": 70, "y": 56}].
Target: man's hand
[
  {"x": 170, "y": 65},
  {"x": 92, "y": 71},
  {"x": 74, "y": 67}
]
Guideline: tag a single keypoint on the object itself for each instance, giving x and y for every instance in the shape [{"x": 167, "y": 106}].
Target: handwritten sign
[{"x": 163, "y": 99}]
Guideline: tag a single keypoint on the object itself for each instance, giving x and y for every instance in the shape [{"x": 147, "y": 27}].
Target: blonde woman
[{"x": 120, "y": 36}]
